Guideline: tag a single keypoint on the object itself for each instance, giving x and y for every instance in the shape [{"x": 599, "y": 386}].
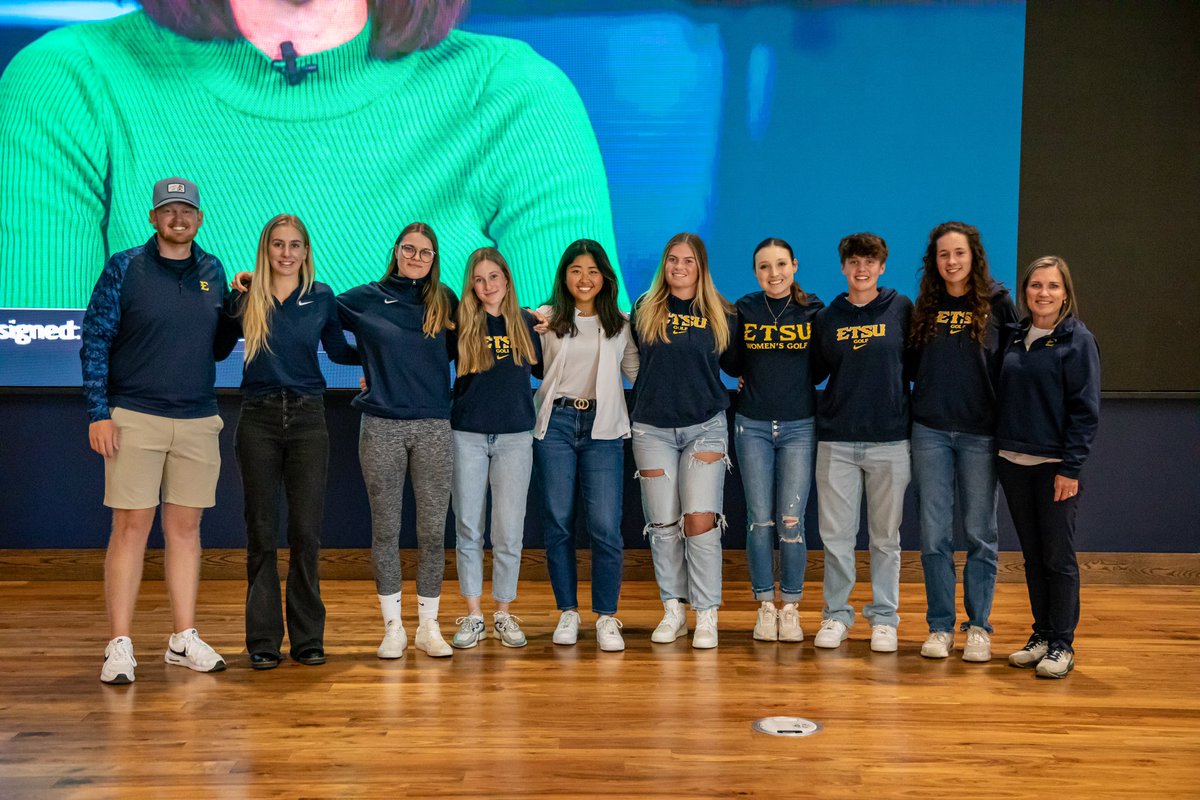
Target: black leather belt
[{"x": 577, "y": 403}]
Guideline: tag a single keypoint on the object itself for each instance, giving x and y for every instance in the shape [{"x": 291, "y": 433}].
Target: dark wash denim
[
  {"x": 282, "y": 443},
  {"x": 1047, "y": 532},
  {"x": 565, "y": 454},
  {"x": 956, "y": 470}
]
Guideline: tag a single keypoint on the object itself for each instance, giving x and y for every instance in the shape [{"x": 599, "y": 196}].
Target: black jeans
[
  {"x": 282, "y": 441},
  {"x": 1047, "y": 533}
]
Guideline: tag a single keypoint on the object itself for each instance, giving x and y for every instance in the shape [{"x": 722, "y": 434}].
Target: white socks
[
  {"x": 427, "y": 609},
  {"x": 389, "y": 604}
]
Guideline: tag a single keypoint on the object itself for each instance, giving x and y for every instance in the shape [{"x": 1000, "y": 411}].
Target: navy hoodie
[
  {"x": 499, "y": 400},
  {"x": 955, "y": 376},
  {"x": 1049, "y": 396},
  {"x": 679, "y": 381},
  {"x": 863, "y": 352},
  {"x": 408, "y": 373},
  {"x": 773, "y": 357},
  {"x": 297, "y": 325},
  {"x": 153, "y": 332}
]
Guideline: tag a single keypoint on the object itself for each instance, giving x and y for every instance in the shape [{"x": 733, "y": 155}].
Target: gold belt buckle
[{"x": 581, "y": 404}]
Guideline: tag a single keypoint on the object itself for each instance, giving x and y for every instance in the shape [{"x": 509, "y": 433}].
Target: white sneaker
[
  {"x": 429, "y": 640},
  {"x": 938, "y": 645},
  {"x": 979, "y": 645},
  {"x": 789, "y": 624},
  {"x": 395, "y": 639},
  {"x": 705, "y": 637},
  {"x": 1058, "y": 663},
  {"x": 187, "y": 649},
  {"x": 608, "y": 634},
  {"x": 673, "y": 624},
  {"x": 118, "y": 662},
  {"x": 883, "y": 638},
  {"x": 766, "y": 625},
  {"x": 507, "y": 629},
  {"x": 1031, "y": 654},
  {"x": 567, "y": 631},
  {"x": 832, "y": 633}
]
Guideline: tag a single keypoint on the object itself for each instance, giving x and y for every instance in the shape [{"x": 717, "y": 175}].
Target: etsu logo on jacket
[
  {"x": 501, "y": 346},
  {"x": 957, "y": 320},
  {"x": 861, "y": 335},
  {"x": 794, "y": 336},
  {"x": 682, "y": 323}
]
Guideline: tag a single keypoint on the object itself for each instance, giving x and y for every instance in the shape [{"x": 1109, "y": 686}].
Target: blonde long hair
[
  {"x": 652, "y": 306},
  {"x": 435, "y": 296},
  {"x": 473, "y": 352},
  {"x": 1070, "y": 307},
  {"x": 260, "y": 299}
]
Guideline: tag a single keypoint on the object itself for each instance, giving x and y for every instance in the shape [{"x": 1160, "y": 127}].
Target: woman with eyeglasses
[{"x": 405, "y": 330}]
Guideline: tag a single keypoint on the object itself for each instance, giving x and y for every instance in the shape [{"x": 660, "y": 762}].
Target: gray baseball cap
[{"x": 176, "y": 190}]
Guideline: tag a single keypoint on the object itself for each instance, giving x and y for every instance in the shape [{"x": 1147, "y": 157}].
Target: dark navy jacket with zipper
[
  {"x": 770, "y": 348},
  {"x": 153, "y": 332},
  {"x": 499, "y": 400},
  {"x": 862, "y": 350},
  {"x": 1049, "y": 396},
  {"x": 297, "y": 325},
  {"x": 679, "y": 381},
  {"x": 955, "y": 384},
  {"x": 407, "y": 372}
]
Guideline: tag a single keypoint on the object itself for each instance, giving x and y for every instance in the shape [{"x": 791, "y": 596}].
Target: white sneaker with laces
[
  {"x": 766, "y": 624},
  {"x": 1058, "y": 663},
  {"x": 672, "y": 625},
  {"x": 938, "y": 645},
  {"x": 705, "y": 637},
  {"x": 395, "y": 639},
  {"x": 429, "y": 640},
  {"x": 567, "y": 631},
  {"x": 470, "y": 630},
  {"x": 832, "y": 633},
  {"x": 608, "y": 634},
  {"x": 507, "y": 629},
  {"x": 187, "y": 649},
  {"x": 883, "y": 638},
  {"x": 1031, "y": 654},
  {"x": 789, "y": 624},
  {"x": 118, "y": 662},
  {"x": 979, "y": 645}
]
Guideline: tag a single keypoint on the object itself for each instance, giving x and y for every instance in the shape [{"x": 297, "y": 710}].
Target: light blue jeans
[
  {"x": 844, "y": 469},
  {"x": 956, "y": 469},
  {"x": 776, "y": 462},
  {"x": 688, "y": 568},
  {"x": 502, "y": 461}
]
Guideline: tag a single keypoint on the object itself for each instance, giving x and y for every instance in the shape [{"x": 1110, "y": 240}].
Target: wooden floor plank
[{"x": 657, "y": 721}]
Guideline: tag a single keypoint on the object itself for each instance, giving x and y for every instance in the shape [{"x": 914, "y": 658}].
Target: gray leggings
[{"x": 386, "y": 450}]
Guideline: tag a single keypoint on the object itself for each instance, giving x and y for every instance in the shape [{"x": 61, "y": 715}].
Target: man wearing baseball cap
[{"x": 152, "y": 334}]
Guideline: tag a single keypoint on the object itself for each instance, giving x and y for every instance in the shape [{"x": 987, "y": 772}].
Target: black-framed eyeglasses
[{"x": 424, "y": 254}]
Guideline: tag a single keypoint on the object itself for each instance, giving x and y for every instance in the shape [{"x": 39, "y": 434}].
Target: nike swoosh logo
[
  {"x": 861, "y": 346},
  {"x": 388, "y": 301},
  {"x": 304, "y": 303},
  {"x": 180, "y": 653}
]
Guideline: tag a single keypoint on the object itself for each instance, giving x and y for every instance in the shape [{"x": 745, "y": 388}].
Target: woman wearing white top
[{"x": 581, "y": 424}]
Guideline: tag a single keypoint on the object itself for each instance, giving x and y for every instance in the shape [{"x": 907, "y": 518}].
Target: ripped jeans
[
  {"x": 776, "y": 458},
  {"x": 687, "y": 568}
]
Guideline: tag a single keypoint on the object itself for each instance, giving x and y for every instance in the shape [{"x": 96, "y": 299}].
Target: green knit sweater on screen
[{"x": 480, "y": 137}]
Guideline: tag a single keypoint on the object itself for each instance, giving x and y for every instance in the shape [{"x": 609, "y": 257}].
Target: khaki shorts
[{"x": 177, "y": 459}]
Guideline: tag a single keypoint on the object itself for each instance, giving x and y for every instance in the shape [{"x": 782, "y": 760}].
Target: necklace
[{"x": 775, "y": 317}]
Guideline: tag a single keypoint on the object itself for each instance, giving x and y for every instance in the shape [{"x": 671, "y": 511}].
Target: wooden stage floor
[{"x": 656, "y": 721}]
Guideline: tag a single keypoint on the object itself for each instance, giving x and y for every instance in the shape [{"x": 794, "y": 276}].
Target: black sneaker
[{"x": 1029, "y": 655}]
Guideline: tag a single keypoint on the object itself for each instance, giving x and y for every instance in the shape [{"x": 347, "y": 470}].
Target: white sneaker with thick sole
[
  {"x": 938, "y": 645},
  {"x": 672, "y": 625},
  {"x": 507, "y": 629},
  {"x": 705, "y": 637},
  {"x": 608, "y": 634},
  {"x": 789, "y": 624},
  {"x": 187, "y": 649},
  {"x": 429, "y": 640},
  {"x": 119, "y": 662},
  {"x": 766, "y": 624},
  {"x": 395, "y": 639},
  {"x": 567, "y": 631},
  {"x": 1031, "y": 654},
  {"x": 883, "y": 638},
  {"x": 832, "y": 634},
  {"x": 1058, "y": 663},
  {"x": 979, "y": 645}
]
